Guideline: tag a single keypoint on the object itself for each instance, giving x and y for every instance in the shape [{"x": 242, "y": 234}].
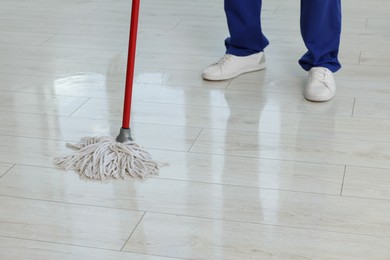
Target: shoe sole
[
  {"x": 318, "y": 99},
  {"x": 258, "y": 67}
]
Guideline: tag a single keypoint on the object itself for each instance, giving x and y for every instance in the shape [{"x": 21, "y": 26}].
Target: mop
[{"x": 101, "y": 158}]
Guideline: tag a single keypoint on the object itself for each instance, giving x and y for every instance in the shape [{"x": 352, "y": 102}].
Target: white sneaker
[
  {"x": 231, "y": 66},
  {"x": 320, "y": 85}
]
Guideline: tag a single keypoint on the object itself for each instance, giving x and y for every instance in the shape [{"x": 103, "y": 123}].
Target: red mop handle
[{"x": 130, "y": 64}]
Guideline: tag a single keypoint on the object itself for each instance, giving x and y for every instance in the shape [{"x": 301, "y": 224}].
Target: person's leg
[
  {"x": 246, "y": 36},
  {"x": 244, "y": 47},
  {"x": 321, "y": 30}
]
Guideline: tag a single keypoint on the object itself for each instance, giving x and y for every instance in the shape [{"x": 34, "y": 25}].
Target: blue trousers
[{"x": 320, "y": 29}]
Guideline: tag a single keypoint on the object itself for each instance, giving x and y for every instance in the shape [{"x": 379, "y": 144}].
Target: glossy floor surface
[{"x": 252, "y": 170}]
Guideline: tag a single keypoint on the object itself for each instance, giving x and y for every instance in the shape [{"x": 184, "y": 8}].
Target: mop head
[{"x": 102, "y": 158}]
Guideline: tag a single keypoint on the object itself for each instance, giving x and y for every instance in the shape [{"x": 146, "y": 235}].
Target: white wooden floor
[{"x": 254, "y": 171}]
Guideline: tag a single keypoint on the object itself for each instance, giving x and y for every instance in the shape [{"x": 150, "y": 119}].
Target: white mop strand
[{"x": 102, "y": 158}]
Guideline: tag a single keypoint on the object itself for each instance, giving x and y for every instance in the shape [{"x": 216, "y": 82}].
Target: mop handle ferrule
[{"x": 124, "y": 135}]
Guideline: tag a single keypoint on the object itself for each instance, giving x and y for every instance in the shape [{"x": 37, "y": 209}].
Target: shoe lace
[
  {"x": 320, "y": 76},
  {"x": 225, "y": 59}
]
